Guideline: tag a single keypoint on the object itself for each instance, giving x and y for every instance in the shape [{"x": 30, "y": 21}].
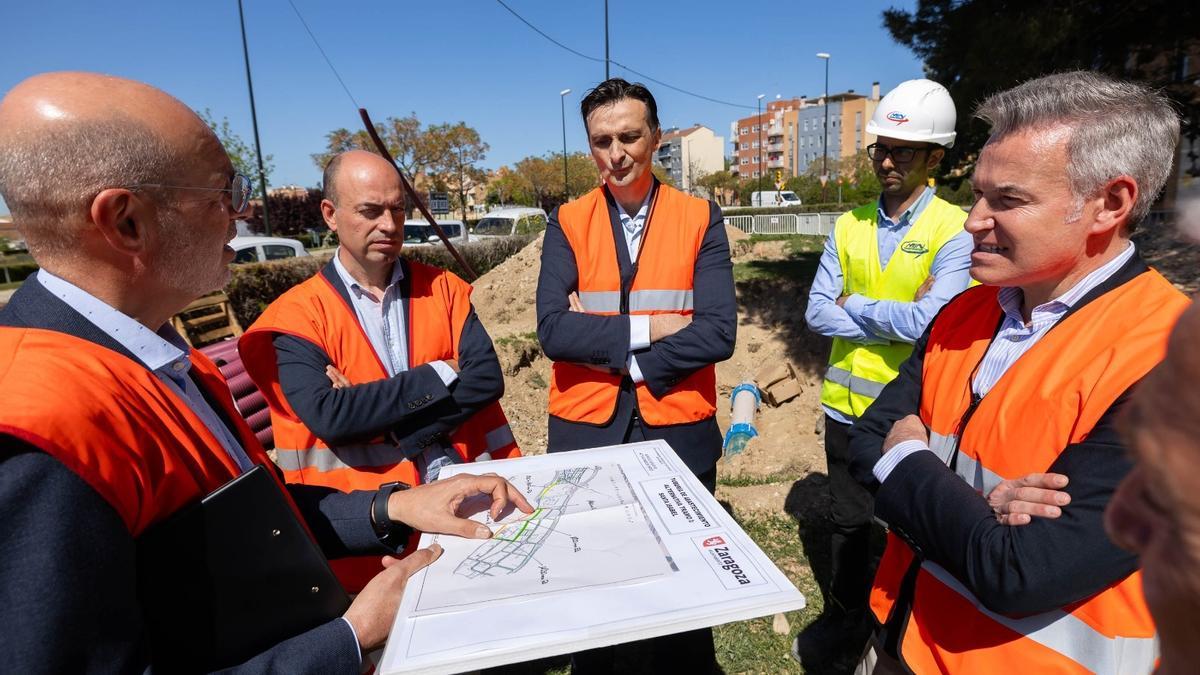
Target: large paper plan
[{"x": 623, "y": 544}]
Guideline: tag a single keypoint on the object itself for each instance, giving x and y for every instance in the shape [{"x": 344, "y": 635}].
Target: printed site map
[
  {"x": 588, "y": 529},
  {"x": 623, "y": 543}
]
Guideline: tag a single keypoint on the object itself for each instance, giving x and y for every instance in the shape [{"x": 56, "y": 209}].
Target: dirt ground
[
  {"x": 771, "y": 330},
  {"x": 789, "y": 443}
]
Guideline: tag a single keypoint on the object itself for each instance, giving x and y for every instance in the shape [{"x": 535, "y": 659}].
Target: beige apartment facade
[
  {"x": 690, "y": 154},
  {"x": 793, "y": 134}
]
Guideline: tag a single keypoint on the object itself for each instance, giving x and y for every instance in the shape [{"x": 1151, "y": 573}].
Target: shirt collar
[
  {"x": 1010, "y": 298},
  {"x": 160, "y": 350},
  {"x": 353, "y": 285},
  {"x": 634, "y": 223},
  {"x": 910, "y": 214}
]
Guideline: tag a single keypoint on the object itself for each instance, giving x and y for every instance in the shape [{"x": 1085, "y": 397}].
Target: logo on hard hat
[{"x": 897, "y": 117}]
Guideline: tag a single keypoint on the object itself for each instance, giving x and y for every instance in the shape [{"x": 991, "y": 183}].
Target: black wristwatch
[{"x": 391, "y": 533}]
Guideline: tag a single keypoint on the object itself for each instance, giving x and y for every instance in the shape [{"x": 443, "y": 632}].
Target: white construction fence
[{"x": 819, "y": 224}]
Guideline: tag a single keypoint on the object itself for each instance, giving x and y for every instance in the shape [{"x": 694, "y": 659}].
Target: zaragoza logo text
[
  {"x": 897, "y": 117},
  {"x": 713, "y": 541},
  {"x": 914, "y": 247}
]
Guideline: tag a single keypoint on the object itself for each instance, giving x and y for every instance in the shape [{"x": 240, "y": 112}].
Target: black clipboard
[{"x": 231, "y": 576}]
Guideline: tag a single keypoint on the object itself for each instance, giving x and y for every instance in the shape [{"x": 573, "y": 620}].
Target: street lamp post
[
  {"x": 562, "y": 104},
  {"x": 760, "y": 140},
  {"x": 262, "y": 175},
  {"x": 825, "y": 142}
]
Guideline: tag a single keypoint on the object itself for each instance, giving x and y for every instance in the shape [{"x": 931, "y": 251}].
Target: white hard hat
[{"x": 916, "y": 110}]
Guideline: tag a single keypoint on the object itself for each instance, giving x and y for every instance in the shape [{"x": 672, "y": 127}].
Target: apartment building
[
  {"x": 688, "y": 154},
  {"x": 793, "y": 133}
]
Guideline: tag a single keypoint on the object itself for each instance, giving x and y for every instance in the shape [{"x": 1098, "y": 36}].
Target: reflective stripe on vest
[
  {"x": 499, "y": 437},
  {"x": 663, "y": 283},
  {"x": 858, "y": 372},
  {"x": 1066, "y": 634},
  {"x": 856, "y": 384},
  {"x": 365, "y": 456},
  {"x": 969, "y": 469},
  {"x": 1050, "y": 399},
  {"x": 341, "y": 457},
  {"x": 609, "y": 302}
]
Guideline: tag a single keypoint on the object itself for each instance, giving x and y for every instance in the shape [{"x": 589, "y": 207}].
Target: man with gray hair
[{"x": 995, "y": 451}]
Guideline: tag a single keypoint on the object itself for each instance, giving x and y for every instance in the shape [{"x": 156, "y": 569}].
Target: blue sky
[{"x": 453, "y": 60}]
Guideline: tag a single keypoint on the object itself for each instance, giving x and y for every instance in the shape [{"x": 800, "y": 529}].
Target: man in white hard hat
[{"x": 887, "y": 268}]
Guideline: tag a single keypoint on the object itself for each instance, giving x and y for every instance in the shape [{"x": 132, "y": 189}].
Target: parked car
[
  {"x": 418, "y": 232},
  {"x": 261, "y": 249},
  {"x": 506, "y": 222}
]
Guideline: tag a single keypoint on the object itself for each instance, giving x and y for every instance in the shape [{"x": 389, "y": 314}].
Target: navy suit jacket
[
  {"x": 603, "y": 341},
  {"x": 415, "y": 407},
  {"x": 68, "y": 574}
]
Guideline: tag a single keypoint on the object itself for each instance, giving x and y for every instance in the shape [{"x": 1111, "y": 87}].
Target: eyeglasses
[
  {"x": 900, "y": 154},
  {"x": 239, "y": 191}
]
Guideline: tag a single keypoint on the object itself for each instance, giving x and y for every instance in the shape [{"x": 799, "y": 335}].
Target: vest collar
[{"x": 624, "y": 263}]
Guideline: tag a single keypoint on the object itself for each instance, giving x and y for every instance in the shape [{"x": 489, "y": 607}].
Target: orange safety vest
[
  {"x": 674, "y": 230},
  {"x": 116, "y": 425},
  {"x": 316, "y": 312},
  {"x": 1051, "y": 397}
]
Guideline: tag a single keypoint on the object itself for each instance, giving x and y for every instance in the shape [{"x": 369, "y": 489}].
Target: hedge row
[
  {"x": 13, "y": 272},
  {"x": 776, "y": 210},
  {"x": 256, "y": 285}
]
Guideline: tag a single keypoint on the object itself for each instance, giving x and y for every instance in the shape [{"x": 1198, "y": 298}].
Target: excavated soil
[
  {"x": 783, "y": 469},
  {"x": 789, "y": 443}
]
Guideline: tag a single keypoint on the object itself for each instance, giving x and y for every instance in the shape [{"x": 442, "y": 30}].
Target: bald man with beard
[{"x": 109, "y": 425}]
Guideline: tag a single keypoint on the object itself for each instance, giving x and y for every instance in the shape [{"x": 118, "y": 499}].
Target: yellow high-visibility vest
[{"x": 857, "y": 373}]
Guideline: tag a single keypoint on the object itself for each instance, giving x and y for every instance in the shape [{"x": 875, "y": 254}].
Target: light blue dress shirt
[
  {"x": 1014, "y": 338},
  {"x": 639, "y": 324},
  {"x": 382, "y": 319},
  {"x": 872, "y": 322},
  {"x": 164, "y": 353}
]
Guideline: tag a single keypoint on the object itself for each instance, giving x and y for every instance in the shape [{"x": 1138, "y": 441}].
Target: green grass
[
  {"x": 753, "y": 646},
  {"x": 747, "y": 481},
  {"x": 521, "y": 339},
  {"x": 803, "y": 256}
]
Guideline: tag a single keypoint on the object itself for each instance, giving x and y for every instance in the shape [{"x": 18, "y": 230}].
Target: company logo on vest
[{"x": 914, "y": 247}]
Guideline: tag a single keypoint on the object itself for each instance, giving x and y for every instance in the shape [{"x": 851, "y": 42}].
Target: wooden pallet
[{"x": 207, "y": 320}]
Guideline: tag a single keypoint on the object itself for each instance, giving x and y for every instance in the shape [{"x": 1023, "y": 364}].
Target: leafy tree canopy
[{"x": 978, "y": 47}]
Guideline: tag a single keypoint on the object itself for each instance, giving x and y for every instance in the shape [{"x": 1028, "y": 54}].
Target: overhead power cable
[
  {"x": 619, "y": 64},
  {"x": 323, "y": 54}
]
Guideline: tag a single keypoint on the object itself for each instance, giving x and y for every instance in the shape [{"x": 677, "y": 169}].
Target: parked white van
[
  {"x": 508, "y": 221},
  {"x": 775, "y": 198},
  {"x": 261, "y": 249}
]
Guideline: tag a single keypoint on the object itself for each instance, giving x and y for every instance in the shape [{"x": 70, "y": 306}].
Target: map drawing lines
[{"x": 515, "y": 544}]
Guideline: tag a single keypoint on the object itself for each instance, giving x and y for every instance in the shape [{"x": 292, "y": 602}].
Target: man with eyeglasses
[
  {"x": 109, "y": 426},
  {"x": 887, "y": 268}
]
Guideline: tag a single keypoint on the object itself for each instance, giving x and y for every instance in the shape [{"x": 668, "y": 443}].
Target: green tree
[
  {"x": 508, "y": 187},
  {"x": 663, "y": 176},
  {"x": 241, "y": 155},
  {"x": 978, "y": 47},
  {"x": 720, "y": 185},
  {"x": 456, "y": 150},
  {"x": 410, "y": 144}
]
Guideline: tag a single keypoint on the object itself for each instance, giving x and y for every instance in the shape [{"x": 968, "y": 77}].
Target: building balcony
[
  {"x": 775, "y": 130},
  {"x": 775, "y": 147},
  {"x": 776, "y": 163}
]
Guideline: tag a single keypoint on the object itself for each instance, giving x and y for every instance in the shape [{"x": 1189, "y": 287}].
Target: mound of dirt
[{"x": 789, "y": 444}]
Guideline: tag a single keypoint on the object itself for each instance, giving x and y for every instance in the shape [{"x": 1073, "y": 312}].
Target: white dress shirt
[
  {"x": 1014, "y": 338},
  {"x": 639, "y": 324},
  {"x": 164, "y": 353},
  {"x": 382, "y": 319}
]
